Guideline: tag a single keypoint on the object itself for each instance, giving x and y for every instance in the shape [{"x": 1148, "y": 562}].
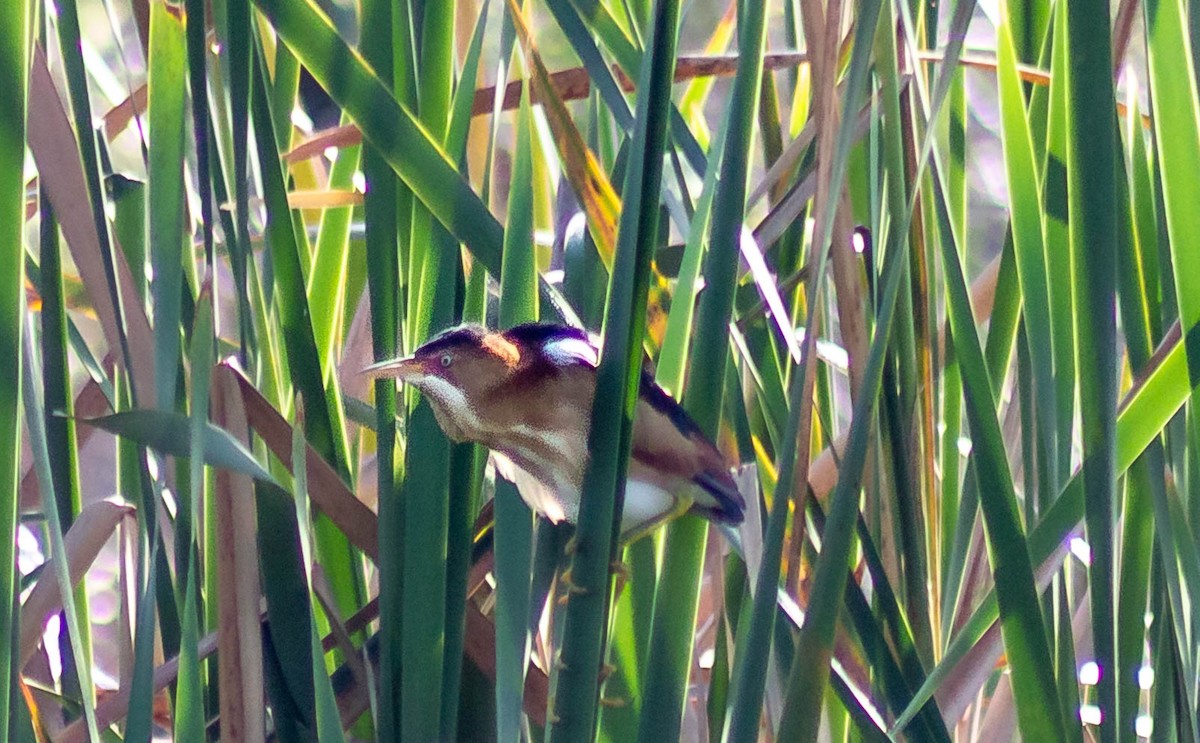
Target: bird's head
[{"x": 461, "y": 369}]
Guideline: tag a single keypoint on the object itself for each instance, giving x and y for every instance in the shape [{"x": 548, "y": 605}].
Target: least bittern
[{"x": 526, "y": 394}]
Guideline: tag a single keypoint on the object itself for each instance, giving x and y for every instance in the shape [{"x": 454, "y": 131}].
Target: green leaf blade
[{"x": 166, "y": 197}]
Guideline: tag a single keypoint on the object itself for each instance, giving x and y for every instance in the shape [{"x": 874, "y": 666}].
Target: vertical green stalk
[
  {"x": 466, "y": 460},
  {"x": 1176, "y": 121},
  {"x": 237, "y": 41},
  {"x": 671, "y": 633},
  {"x": 189, "y": 697},
  {"x": 514, "y": 520},
  {"x": 1092, "y": 201},
  {"x": 322, "y": 418},
  {"x": 327, "y": 279},
  {"x": 576, "y": 684},
  {"x": 383, "y": 287},
  {"x": 1025, "y": 199},
  {"x": 1022, "y": 627},
  {"x": 34, "y": 407},
  {"x": 810, "y": 665},
  {"x": 285, "y": 82},
  {"x": 951, "y": 490},
  {"x": 1029, "y": 20},
  {"x": 13, "y": 67},
  {"x": 323, "y": 414},
  {"x": 748, "y": 680},
  {"x": 389, "y": 125},
  {"x": 196, "y": 29},
  {"x": 1058, "y": 244},
  {"x": 166, "y": 207},
  {"x": 60, "y": 425},
  {"x": 433, "y": 270},
  {"x": 197, "y": 52}
]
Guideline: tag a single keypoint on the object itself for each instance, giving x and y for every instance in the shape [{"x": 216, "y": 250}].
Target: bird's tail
[{"x": 721, "y": 502}]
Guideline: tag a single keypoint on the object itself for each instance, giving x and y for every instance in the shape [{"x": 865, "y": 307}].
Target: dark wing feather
[
  {"x": 721, "y": 500},
  {"x": 730, "y": 507}
]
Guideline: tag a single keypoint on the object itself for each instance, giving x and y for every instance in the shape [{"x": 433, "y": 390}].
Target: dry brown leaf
[
  {"x": 115, "y": 706},
  {"x": 345, "y": 135},
  {"x": 239, "y": 633},
  {"x": 121, "y": 115},
  {"x": 52, "y": 142},
  {"x": 326, "y": 490},
  {"x": 91, "y": 530}
]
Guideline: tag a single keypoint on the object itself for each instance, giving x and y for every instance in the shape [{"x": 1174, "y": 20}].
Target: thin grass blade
[{"x": 32, "y": 401}]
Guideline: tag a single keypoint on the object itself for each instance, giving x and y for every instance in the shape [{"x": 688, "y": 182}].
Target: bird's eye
[{"x": 447, "y": 359}]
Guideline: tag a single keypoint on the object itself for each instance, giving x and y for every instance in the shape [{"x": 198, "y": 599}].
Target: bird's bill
[{"x": 404, "y": 369}]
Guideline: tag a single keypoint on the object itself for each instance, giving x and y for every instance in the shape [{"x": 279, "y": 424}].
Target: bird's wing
[{"x": 666, "y": 439}]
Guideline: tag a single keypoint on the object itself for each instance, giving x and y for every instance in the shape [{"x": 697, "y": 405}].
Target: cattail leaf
[
  {"x": 327, "y": 280},
  {"x": 287, "y": 642},
  {"x": 1092, "y": 161},
  {"x": 467, "y": 460},
  {"x": 1058, "y": 247},
  {"x": 381, "y": 205},
  {"x": 514, "y": 520},
  {"x": 31, "y": 395},
  {"x": 166, "y": 198},
  {"x": 434, "y": 271},
  {"x": 323, "y": 421},
  {"x": 1147, "y": 408},
  {"x": 189, "y": 695},
  {"x": 407, "y": 146},
  {"x": 170, "y": 433},
  {"x": 1021, "y": 624},
  {"x": 1025, "y": 195},
  {"x": 576, "y": 687}
]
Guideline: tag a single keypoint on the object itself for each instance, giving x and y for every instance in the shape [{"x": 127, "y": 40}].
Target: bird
[{"x": 526, "y": 394}]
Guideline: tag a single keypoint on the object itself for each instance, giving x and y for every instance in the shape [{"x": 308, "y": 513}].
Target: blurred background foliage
[{"x": 923, "y": 269}]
